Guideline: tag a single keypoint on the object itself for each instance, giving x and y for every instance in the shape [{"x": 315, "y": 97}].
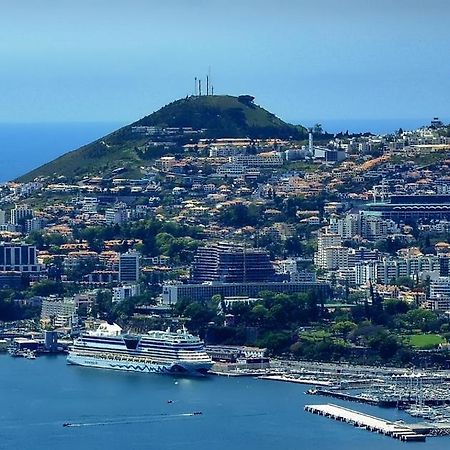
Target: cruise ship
[{"x": 155, "y": 352}]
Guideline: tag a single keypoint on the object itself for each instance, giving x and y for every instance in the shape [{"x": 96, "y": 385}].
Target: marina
[{"x": 417, "y": 400}]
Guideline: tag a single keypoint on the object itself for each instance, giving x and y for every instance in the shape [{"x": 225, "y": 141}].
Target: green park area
[{"x": 425, "y": 341}]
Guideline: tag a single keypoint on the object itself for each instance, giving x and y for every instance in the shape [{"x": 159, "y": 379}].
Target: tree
[
  {"x": 199, "y": 314},
  {"x": 420, "y": 318},
  {"x": 385, "y": 343},
  {"x": 317, "y": 129},
  {"x": 393, "y": 307},
  {"x": 103, "y": 303},
  {"x": 260, "y": 314},
  {"x": 276, "y": 343},
  {"x": 344, "y": 327},
  {"x": 246, "y": 99},
  {"x": 240, "y": 215},
  {"x": 47, "y": 287},
  {"x": 81, "y": 268}
]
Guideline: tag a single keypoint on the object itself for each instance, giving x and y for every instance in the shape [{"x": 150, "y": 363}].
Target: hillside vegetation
[
  {"x": 223, "y": 116},
  {"x": 219, "y": 116}
]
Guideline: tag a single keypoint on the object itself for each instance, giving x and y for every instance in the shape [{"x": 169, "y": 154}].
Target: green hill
[
  {"x": 223, "y": 116},
  {"x": 217, "y": 116}
]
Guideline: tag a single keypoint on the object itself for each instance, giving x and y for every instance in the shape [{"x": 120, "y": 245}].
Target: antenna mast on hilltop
[
  {"x": 208, "y": 81},
  {"x": 198, "y": 85}
]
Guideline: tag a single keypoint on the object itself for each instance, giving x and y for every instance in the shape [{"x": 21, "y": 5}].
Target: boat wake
[{"x": 131, "y": 420}]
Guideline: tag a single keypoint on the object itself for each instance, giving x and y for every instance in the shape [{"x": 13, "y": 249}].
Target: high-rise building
[
  {"x": 116, "y": 215},
  {"x": 18, "y": 258},
  {"x": 2, "y": 217},
  {"x": 330, "y": 252},
  {"x": 129, "y": 266},
  {"x": 34, "y": 224},
  {"x": 20, "y": 213},
  {"x": 231, "y": 263},
  {"x": 444, "y": 266}
]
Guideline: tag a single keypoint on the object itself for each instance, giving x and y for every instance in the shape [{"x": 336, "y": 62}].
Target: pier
[
  {"x": 370, "y": 423},
  {"x": 296, "y": 379},
  {"x": 383, "y": 402}
]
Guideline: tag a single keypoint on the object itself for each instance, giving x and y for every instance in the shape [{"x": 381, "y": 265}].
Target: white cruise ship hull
[{"x": 176, "y": 367}]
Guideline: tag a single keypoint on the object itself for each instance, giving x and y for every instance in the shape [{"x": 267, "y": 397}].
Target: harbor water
[{"x": 117, "y": 410}]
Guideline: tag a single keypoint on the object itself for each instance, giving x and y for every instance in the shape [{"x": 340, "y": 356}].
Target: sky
[{"x": 118, "y": 60}]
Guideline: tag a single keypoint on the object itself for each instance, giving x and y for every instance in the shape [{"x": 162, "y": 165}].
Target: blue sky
[{"x": 111, "y": 60}]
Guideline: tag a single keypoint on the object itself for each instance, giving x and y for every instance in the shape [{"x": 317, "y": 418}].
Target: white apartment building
[
  {"x": 89, "y": 205},
  {"x": 330, "y": 253},
  {"x": 367, "y": 226},
  {"x": 374, "y": 227},
  {"x": 440, "y": 288},
  {"x": 387, "y": 269},
  {"x": 63, "y": 313},
  {"x": 34, "y": 224},
  {"x": 217, "y": 151},
  {"x": 364, "y": 272},
  {"x": 392, "y": 268},
  {"x": 332, "y": 258},
  {"x": 19, "y": 213},
  {"x": 261, "y": 160},
  {"x": 118, "y": 214},
  {"x": 347, "y": 227},
  {"x": 121, "y": 293},
  {"x": 231, "y": 170}
]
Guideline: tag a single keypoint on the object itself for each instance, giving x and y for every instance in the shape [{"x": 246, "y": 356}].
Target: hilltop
[
  {"x": 222, "y": 116},
  {"x": 180, "y": 122}
]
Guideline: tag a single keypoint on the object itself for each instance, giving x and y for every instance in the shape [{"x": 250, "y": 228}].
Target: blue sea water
[
  {"x": 376, "y": 126},
  {"x": 26, "y": 146},
  {"x": 118, "y": 410}
]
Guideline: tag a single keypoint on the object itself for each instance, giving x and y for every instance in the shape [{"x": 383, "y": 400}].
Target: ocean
[
  {"x": 118, "y": 410},
  {"x": 376, "y": 126},
  {"x": 26, "y": 146}
]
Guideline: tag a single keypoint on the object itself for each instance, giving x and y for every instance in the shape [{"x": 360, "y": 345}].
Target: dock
[
  {"x": 383, "y": 402},
  {"x": 365, "y": 421},
  {"x": 296, "y": 379}
]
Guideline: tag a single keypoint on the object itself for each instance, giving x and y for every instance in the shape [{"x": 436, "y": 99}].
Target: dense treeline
[
  {"x": 301, "y": 326},
  {"x": 171, "y": 239}
]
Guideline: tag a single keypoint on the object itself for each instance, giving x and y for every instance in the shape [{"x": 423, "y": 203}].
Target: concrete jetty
[
  {"x": 370, "y": 423},
  {"x": 296, "y": 379}
]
